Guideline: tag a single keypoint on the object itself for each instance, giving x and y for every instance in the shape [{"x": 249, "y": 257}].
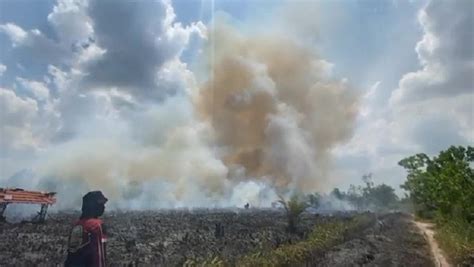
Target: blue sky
[
  {"x": 86, "y": 84},
  {"x": 365, "y": 33}
]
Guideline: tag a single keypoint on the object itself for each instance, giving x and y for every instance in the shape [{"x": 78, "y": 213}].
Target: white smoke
[{"x": 264, "y": 120}]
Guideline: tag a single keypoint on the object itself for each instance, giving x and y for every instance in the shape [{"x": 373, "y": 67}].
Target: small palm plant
[{"x": 294, "y": 207}]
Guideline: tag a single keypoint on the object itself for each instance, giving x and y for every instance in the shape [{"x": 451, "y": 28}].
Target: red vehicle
[{"x": 20, "y": 196}]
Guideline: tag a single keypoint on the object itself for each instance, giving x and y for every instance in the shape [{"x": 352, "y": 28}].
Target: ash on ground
[{"x": 170, "y": 238}]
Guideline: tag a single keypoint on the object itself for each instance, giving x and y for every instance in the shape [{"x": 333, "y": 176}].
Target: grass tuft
[{"x": 456, "y": 239}]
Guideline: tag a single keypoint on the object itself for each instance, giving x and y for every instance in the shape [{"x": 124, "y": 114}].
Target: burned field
[{"x": 173, "y": 238}]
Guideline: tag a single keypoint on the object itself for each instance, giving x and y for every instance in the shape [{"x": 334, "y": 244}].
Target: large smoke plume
[
  {"x": 262, "y": 122},
  {"x": 275, "y": 112}
]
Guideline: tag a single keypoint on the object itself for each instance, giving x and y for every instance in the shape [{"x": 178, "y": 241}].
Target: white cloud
[
  {"x": 71, "y": 22},
  {"x": 435, "y": 103},
  {"x": 119, "y": 101},
  {"x": 34, "y": 46},
  {"x": 95, "y": 103},
  {"x": 137, "y": 40},
  {"x": 38, "y": 89},
  {"x": 446, "y": 53},
  {"x": 72, "y": 27},
  {"x": 14, "y": 32},
  {"x": 59, "y": 77},
  {"x": 430, "y": 110},
  {"x": 16, "y": 116}
]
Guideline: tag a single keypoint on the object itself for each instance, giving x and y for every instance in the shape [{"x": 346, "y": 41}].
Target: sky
[{"x": 202, "y": 103}]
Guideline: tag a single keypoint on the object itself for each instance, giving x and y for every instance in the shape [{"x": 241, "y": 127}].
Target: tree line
[{"x": 442, "y": 185}]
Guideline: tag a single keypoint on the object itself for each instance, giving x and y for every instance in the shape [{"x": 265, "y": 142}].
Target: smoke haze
[
  {"x": 275, "y": 113},
  {"x": 263, "y": 121}
]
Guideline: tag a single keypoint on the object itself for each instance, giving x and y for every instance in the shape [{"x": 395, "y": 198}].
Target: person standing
[{"x": 87, "y": 239}]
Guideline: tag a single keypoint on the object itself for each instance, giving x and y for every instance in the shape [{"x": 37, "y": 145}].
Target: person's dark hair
[{"x": 93, "y": 204}]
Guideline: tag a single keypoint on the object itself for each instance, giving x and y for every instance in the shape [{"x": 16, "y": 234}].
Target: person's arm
[{"x": 80, "y": 247}]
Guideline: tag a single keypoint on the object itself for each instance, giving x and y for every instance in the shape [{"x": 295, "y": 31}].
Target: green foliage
[
  {"x": 322, "y": 237},
  {"x": 370, "y": 196},
  {"x": 382, "y": 196},
  {"x": 405, "y": 204},
  {"x": 293, "y": 208},
  {"x": 456, "y": 237},
  {"x": 442, "y": 187},
  {"x": 355, "y": 196},
  {"x": 443, "y": 184}
]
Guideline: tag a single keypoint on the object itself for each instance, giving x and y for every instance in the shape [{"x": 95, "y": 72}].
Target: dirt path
[
  {"x": 393, "y": 241},
  {"x": 427, "y": 230}
]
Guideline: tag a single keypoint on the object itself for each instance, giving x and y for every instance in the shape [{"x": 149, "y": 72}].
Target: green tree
[
  {"x": 369, "y": 196},
  {"x": 444, "y": 183},
  {"x": 354, "y": 196},
  {"x": 382, "y": 197}
]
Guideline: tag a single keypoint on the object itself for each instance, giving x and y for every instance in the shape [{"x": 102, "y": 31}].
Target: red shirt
[{"x": 86, "y": 245}]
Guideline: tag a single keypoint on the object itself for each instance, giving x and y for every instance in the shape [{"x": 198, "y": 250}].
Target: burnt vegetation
[
  {"x": 301, "y": 232},
  {"x": 249, "y": 238}
]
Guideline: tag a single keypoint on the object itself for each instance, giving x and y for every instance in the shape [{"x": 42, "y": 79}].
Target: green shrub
[
  {"x": 443, "y": 184},
  {"x": 323, "y": 236},
  {"x": 456, "y": 238}
]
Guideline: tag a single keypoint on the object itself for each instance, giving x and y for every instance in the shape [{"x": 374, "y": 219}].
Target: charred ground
[{"x": 170, "y": 238}]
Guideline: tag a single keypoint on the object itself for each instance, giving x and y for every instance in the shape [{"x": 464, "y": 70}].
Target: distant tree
[
  {"x": 338, "y": 194},
  {"x": 369, "y": 196},
  {"x": 354, "y": 196},
  {"x": 314, "y": 200},
  {"x": 382, "y": 196},
  {"x": 367, "y": 179}
]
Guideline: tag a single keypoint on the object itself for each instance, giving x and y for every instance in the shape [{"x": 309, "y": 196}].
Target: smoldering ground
[{"x": 175, "y": 237}]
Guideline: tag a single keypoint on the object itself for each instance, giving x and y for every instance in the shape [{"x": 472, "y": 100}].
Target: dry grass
[
  {"x": 456, "y": 239},
  {"x": 322, "y": 237}
]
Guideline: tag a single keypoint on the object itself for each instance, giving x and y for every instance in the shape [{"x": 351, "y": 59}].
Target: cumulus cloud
[
  {"x": 139, "y": 39},
  {"x": 126, "y": 114},
  {"x": 436, "y": 101},
  {"x": 71, "y": 22},
  {"x": 119, "y": 110},
  {"x": 17, "y": 115},
  {"x": 104, "y": 132},
  {"x": 38, "y": 89},
  {"x": 14, "y": 32},
  {"x": 431, "y": 109},
  {"x": 446, "y": 53},
  {"x": 73, "y": 28},
  {"x": 34, "y": 45}
]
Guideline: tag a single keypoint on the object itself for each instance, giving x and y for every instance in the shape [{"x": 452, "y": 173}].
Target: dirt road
[{"x": 427, "y": 230}]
